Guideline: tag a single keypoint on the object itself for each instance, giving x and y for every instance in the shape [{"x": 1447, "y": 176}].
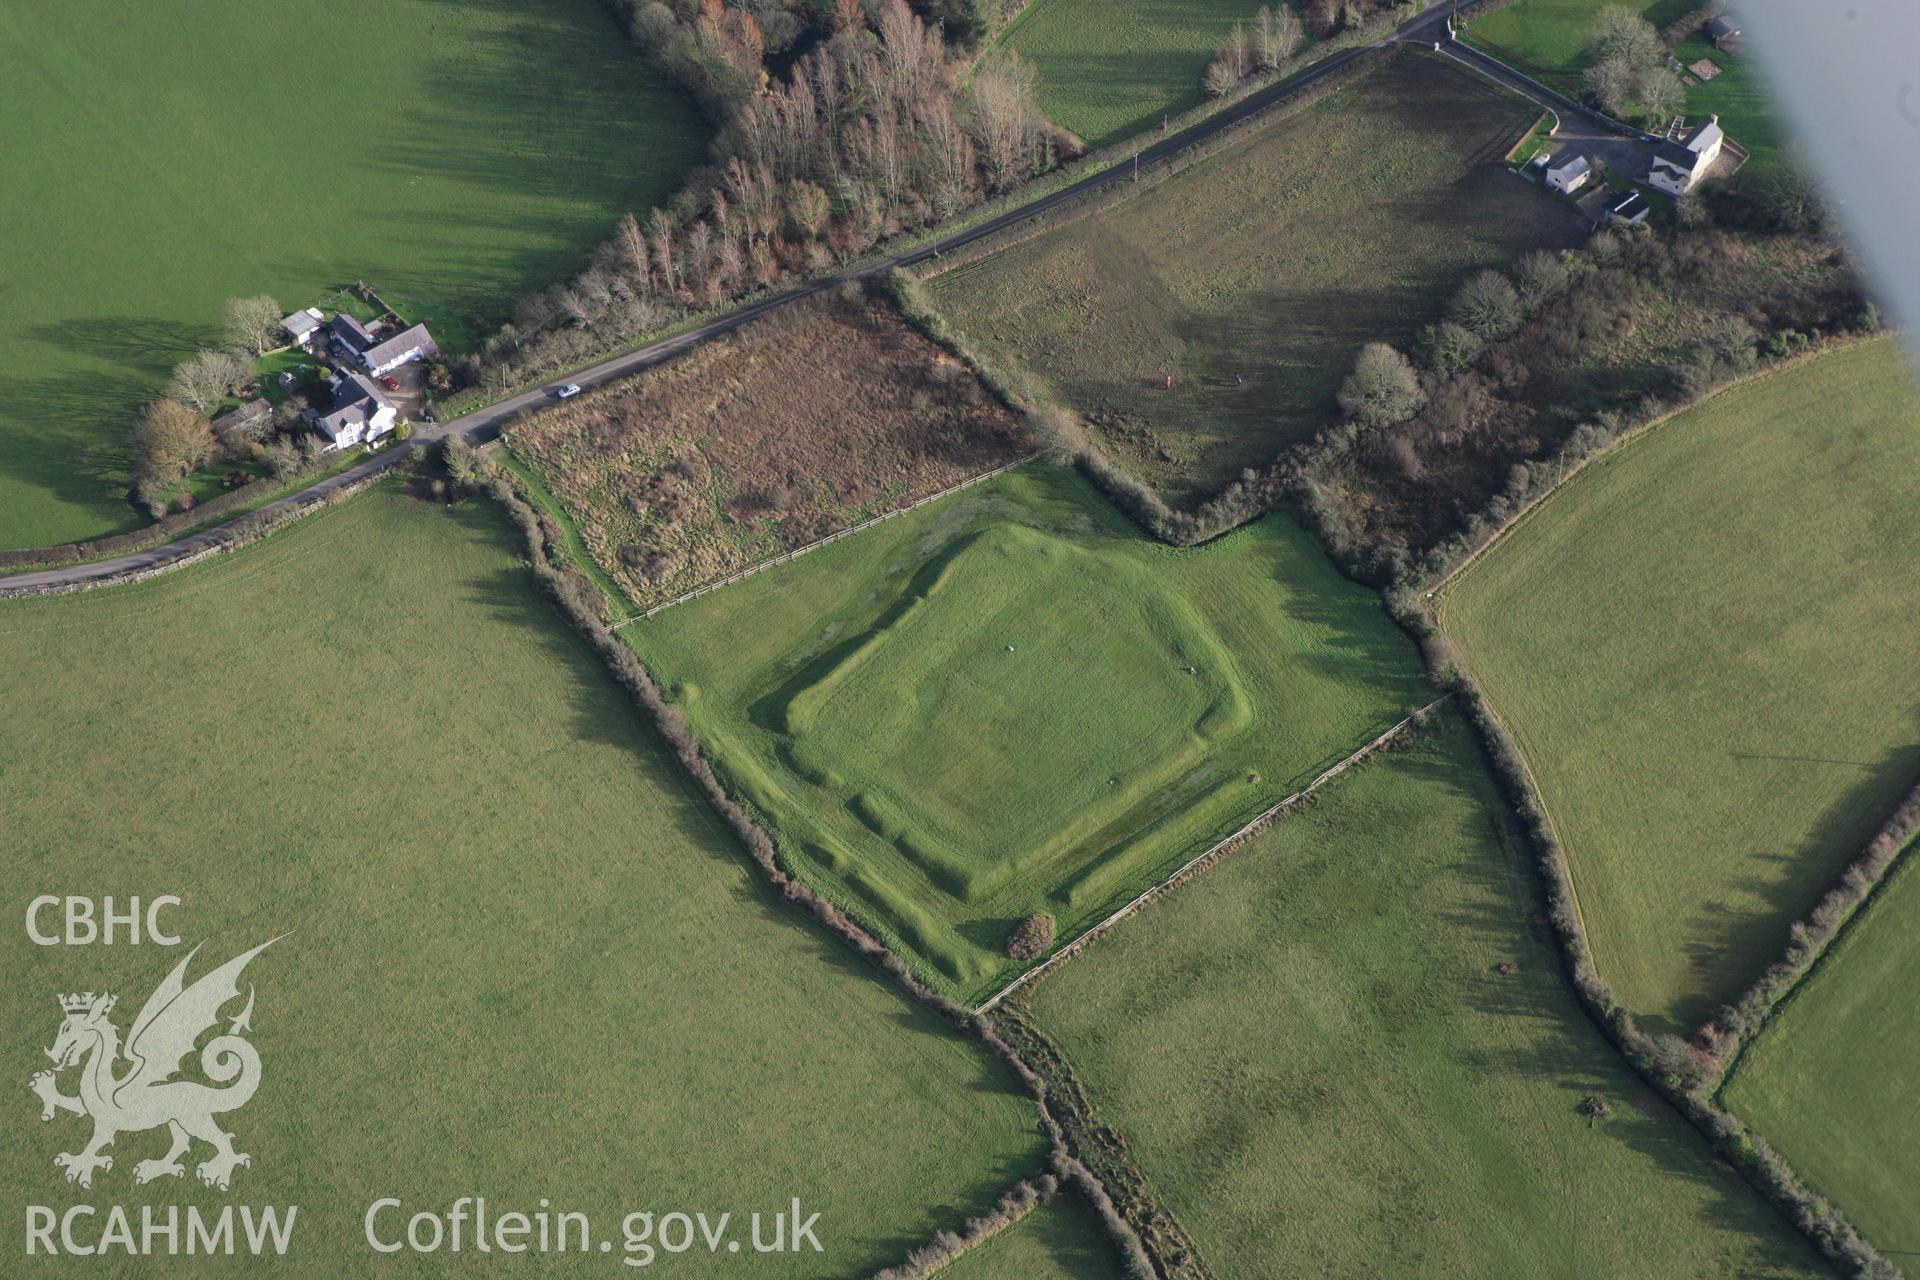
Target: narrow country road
[{"x": 484, "y": 424}]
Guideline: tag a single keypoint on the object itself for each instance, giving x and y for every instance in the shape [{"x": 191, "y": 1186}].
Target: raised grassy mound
[
  {"x": 162, "y": 158},
  {"x": 1344, "y": 1052},
  {"x": 807, "y": 421},
  {"x": 526, "y": 959},
  {"x": 1704, "y": 646},
  {"x": 1830, "y": 1081},
  {"x": 1014, "y": 703},
  {"x": 1255, "y": 277}
]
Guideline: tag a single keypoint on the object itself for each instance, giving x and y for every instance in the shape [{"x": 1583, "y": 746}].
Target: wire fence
[
  {"x": 797, "y": 552},
  {"x": 1206, "y": 857}
]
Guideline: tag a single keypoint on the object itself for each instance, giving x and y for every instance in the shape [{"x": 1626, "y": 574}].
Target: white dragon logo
[{"x": 146, "y": 1095}]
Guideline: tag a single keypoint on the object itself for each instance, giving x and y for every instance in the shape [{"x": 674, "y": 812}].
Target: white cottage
[
  {"x": 1677, "y": 166},
  {"x": 361, "y": 413},
  {"x": 1569, "y": 172}
]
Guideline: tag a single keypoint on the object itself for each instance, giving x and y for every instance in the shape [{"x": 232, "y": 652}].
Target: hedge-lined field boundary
[
  {"x": 1809, "y": 940},
  {"x": 1529, "y": 488},
  {"x": 1685, "y": 1073},
  {"x": 248, "y": 528},
  {"x": 1213, "y": 853},
  {"x": 563, "y": 585},
  {"x": 1100, "y": 199},
  {"x": 1677, "y": 1069},
  {"x": 831, "y": 538},
  {"x": 1102, "y": 1151},
  {"x": 946, "y": 1247},
  {"x": 179, "y": 524}
]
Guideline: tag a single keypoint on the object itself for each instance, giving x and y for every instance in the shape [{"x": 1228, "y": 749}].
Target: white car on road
[{"x": 567, "y": 392}]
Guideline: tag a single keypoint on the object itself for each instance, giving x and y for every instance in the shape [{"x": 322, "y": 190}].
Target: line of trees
[
  {"x": 1415, "y": 478},
  {"x": 1681, "y": 1070},
  {"x": 1809, "y": 938},
  {"x": 873, "y": 131},
  {"x": 1025, "y": 1196},
  {"x": 1272, "y": 38}
]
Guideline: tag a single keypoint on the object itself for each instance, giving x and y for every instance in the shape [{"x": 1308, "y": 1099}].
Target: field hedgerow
[
  {"x": 1699, "y": 645},
  {"x": 371, "y": 729},
  {"x": 1012, "y": 703}
]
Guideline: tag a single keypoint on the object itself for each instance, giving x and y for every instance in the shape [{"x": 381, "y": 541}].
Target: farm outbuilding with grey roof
[
  {"x": 411, "y": 344},
  {"x": 302, "y": 325}
]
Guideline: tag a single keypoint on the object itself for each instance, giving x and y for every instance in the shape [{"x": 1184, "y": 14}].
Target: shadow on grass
[
  {"x": 1725, "y": 946},
  {"x": 556, "y": 125},
  {"x": 68, "y": 436},
  {"x": 1563, "y": 1050}
]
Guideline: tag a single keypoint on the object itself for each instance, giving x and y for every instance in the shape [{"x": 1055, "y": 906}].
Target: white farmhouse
[
  {"x": 1569, "y": 172},
  {"x": 1677, "y": 166},
  {"x": 360, "y": 412}
]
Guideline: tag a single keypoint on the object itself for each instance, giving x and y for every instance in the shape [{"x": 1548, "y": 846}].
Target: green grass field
[
  {"x": 1060, "y": 1240},
  {"x": 526, "y": 960},
  {"x": 1319, "y": 1069},
  {"x": 1256, "y": 276},
  {"x": 1111, "y": 69},
  {"x": 1013, "y": 701},
  {"x": 1548, "y": 40},
  {"x": 1830, "y": 1081},
  {"x": 1704, "y": 647},
  {"x": 161, "y": 159}
]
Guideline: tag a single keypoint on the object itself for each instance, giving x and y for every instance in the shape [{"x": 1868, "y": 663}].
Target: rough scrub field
[
  {"x": 1704, "y": 647},
  {"x": 161, "y": 159},
  {"x": 1610, "y": 349},
  {"x": 1255, "y": 277},
  {"x": 526, "y": 960},
  {"x": 807, "y": 421},
  {"x": 1112, "y": 68},
  {"x": 1830, "y": 1081},
  {"x": 1012, "y": 702},
  {"x": 1346, "y": 1043}
]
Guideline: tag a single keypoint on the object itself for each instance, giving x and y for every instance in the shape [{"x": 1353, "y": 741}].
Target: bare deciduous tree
[
  {"x": 1003, "y": 112},
  {"x": 1487, "y": 304},
  {"x": 1629, "y": 73},
  {"x": 1382, "y": 389},
  {"x": 1538, "y": 275},
  {"x": 208, "y": 378},
  {"x": 807, "y": 208},
  {"x": 251, "y": 324},
  {"x": 1276, "y": 35},
  {"x": 170, "y": 440}
]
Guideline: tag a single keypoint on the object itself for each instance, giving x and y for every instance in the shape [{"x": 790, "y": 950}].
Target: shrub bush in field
[{"x": 1031, "y": 937}]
